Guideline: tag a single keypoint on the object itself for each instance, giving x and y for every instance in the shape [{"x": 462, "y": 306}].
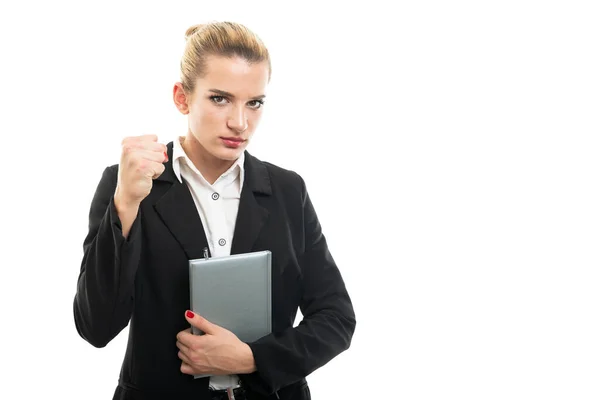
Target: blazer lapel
[
  {"x": 178, "y": 211},
  {"x": 251, "y": 215}
]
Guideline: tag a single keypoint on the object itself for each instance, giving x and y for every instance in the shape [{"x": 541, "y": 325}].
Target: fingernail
[
  {"x": 166, "y": 157},
  {"x": 189, "y": 314}
]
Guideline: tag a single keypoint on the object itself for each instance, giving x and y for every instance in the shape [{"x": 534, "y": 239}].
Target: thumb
[{"x": 201, "y": 323}]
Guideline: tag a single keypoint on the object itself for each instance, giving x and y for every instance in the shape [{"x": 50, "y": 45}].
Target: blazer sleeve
[
  {"x": 328, "y": 324},
  {"x": 104, "y": 299}
]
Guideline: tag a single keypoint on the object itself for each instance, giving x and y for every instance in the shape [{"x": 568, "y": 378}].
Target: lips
[{"x": 232, "y": 142}]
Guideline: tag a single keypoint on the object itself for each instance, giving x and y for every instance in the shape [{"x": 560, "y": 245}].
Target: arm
[
  {"x": 104, "y": 298},
  {"x": 328, "y": 324}
]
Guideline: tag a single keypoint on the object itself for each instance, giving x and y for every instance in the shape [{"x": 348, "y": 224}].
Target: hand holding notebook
[
  {"x": 217, "y": 352},
  {"x": 233, "y": 292}
]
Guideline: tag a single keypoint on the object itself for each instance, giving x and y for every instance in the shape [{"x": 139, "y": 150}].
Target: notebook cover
[{"x": 233, "y": 292}]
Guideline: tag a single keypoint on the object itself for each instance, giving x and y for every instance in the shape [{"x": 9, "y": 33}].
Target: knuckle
[
  {"x": 128, "y": 164},
  {"x": 129, "y": 148}
]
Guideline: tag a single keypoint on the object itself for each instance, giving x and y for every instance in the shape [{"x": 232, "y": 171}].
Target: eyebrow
[{"x": 227, "y": 94}]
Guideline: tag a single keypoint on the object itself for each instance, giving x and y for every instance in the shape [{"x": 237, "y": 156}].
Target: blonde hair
[{"x": 226, "y": 39}]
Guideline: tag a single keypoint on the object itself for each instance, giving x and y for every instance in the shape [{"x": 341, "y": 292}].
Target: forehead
[{"x": 235, "y": 75}]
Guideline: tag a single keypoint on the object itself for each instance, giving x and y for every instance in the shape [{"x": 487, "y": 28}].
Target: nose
[{"x": 237, "y": 120}]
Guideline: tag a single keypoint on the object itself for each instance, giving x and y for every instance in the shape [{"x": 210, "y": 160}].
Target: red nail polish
[
  {"x": 166, "y": 157},
  {"x": 189, "y": 314}
]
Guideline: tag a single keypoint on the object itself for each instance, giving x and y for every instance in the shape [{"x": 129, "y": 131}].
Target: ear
[{"x": 180, "y": 99}]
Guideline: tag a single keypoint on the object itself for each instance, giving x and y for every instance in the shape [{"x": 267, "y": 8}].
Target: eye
[
  {"x": 256, "y": 104},
  {"x": 218, "y": 99}
]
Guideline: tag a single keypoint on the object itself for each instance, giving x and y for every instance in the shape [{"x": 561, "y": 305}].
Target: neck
[{"x": 209, "y": 166}]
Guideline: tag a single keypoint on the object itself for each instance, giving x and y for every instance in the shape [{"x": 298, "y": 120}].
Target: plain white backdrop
[{"x": 451, "y": 150}]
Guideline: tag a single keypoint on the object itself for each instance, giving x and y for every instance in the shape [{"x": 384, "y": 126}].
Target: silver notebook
[{"x": 233, "y": 292}]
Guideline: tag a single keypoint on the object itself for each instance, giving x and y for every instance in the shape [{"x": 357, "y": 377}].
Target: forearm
[
  {"x": 289, "y": 356},
  {"x": 329, "y": 321},
  {"x": 104, "y": 299},
  {"x": 127, "y": 212}
]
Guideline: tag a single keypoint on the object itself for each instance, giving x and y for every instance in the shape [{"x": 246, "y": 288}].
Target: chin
[{"x": 225, "y": 153}]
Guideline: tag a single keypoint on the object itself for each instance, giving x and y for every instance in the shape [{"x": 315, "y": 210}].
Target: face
[{"x": 226, "y": 106}]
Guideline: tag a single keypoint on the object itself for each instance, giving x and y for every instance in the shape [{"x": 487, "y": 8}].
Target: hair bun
[{"x": 192, "y": 29}]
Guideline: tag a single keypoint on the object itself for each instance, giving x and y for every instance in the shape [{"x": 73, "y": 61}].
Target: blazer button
[
  {"x": 222, "y": 242},
  {"x": 215, "y": 196}
]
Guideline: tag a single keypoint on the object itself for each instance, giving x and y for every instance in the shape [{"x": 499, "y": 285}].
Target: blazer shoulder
[
  {"x": 286, "y": 179},
  {"x": 113, "y": 168}
]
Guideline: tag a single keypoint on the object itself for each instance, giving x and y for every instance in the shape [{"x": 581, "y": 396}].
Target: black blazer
[{"x": 143, "y": 281}]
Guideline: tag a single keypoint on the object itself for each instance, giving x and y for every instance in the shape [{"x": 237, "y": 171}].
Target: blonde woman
[{"x": 163, "y": 204}]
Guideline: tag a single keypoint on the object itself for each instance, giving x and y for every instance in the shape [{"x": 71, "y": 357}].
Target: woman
[{"x": 162, "y": 204}]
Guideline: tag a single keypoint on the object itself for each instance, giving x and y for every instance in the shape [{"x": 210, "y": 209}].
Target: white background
[{"x": 451, "y": 150}]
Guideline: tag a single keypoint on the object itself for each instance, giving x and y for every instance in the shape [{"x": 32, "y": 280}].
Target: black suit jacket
[{"x": 143, "y": 281}]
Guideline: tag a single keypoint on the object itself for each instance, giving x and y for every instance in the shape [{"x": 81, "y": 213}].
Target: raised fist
[{"x": 142, "y": 159}]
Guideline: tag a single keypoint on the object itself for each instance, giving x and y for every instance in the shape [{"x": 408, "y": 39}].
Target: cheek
[
  {"x": 214, "y": 115},
  {"x": 206, "y": 118},
  {"x": 254, "y": 119}
]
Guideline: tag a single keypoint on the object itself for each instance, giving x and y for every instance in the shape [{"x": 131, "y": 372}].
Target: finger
[
  {"x": 189, "y": 340},
  {"x": 185, "y": 349},
  {"x": 144, "y": 145},
  {"x": 201, "y": 323},
  {"x": 149, "y": 137},
  {"x": 140, "y": 138},
  {"x": 149, "y": 169},
  {"x": 188, "y": 330},
  {"x": 186, "y": 369},
  {"x": 184, "y": 357},
  {"x": 144, "y": 159},
  {"x": 158, "y": 170},
  {"x": 150, "y": 155},
  {"x": 193, "y": 341}
]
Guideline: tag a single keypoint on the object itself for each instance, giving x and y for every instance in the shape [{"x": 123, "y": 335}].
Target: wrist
[
  {"x": 125, "y": 205},
  {"x": 246, "y": 360},
  {"x": 127, "y": 212}
]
